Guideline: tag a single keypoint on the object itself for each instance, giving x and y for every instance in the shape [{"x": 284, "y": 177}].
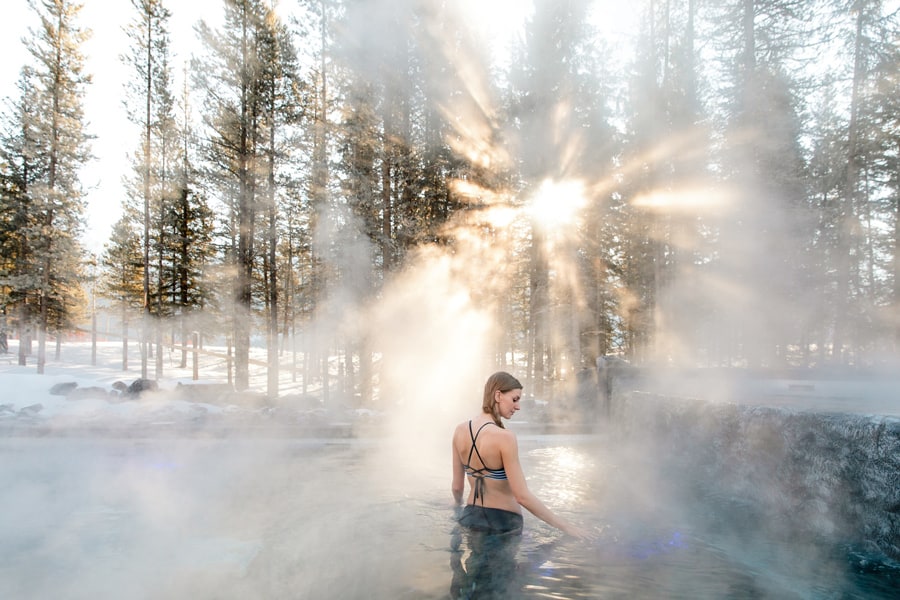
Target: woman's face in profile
[{"x": 508, "y": 403}]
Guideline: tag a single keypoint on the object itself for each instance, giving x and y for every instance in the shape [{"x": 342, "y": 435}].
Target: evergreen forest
[{"x": 378, "y": 197}]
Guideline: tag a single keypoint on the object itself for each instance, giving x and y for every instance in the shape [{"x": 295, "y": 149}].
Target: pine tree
[
  {"x": 760, "y": 251},
  {"x": 869, "y": 36},
  {"x": 192, "y": 230},
  {"x": 884, "y": 118},
  {"x": 61, "y": 148},
  {"x": 244, "y": 77},
  {"x": 280, "y": 91},
  {"x": 20, "y": 169},
  {"x": 121, "y": 277},
  {"x": 151, "y": 111}
]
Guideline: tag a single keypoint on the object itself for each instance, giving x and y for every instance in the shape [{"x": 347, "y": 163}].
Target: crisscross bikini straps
[{"x": 479, "y": 474}]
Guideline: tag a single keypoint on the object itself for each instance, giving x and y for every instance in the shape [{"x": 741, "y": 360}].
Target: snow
[
  {"x": 23, "y": 385},
  {"x": 28, "y": 402}
]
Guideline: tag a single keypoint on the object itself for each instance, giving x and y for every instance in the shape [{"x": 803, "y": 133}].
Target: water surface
[{"x": 252, "y": 518}]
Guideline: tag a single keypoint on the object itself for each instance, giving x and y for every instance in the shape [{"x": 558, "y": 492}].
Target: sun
[{"x": 557, "y": 205}]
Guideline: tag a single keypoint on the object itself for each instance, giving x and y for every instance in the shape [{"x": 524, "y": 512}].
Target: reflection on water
[
  {"x": 484, "y": 564},
  {"x": 102, "y": 518}
]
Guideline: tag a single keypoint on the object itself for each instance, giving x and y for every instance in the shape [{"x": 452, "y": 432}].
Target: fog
[{"x": 187, "y": 518}]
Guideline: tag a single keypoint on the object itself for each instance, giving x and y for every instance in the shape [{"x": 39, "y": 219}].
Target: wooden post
[{"x": 195, "y": 339}]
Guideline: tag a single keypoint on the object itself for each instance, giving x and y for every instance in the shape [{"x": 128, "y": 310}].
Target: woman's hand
[{"x": 578, "y": 532}]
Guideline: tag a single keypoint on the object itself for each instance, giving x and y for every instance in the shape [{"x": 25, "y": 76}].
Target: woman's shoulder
[
  {"x": 462, "y": 428},
  {"x": 501, "y": 433}
]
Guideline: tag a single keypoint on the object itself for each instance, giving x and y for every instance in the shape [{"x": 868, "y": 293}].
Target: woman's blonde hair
[{"x": 502, "y": 382}]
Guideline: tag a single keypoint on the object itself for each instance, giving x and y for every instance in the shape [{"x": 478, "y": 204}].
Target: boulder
[
  {"x": 811, "y": 475},
  {"x": 63, "y": 389},
  {"x": 31, "y": 410},
  {"x": 138, "y": 386}
]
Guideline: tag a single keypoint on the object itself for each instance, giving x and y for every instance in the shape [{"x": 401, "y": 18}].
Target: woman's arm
[
  {"x": 458, "y": 485},
  {"x": 509, "y": 452}
]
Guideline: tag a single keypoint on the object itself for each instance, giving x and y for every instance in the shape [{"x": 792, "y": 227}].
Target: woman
[{"x": 488, "y": 453}]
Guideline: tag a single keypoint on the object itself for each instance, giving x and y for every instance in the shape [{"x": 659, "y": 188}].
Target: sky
[
  {"x": 104, "y": 112},
  {"x": 497, "y": 20}
]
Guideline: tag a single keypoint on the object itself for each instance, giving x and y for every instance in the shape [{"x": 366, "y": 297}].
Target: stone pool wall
[{"x": 829, "y": 476}]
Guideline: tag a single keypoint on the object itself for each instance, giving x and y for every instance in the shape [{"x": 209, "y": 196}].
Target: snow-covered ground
[
  {"x": 873, "y": 394},
  {"x": 74, "y": 393}
]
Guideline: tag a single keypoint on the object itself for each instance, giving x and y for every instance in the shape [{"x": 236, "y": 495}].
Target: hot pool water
[{"x": 283, "y": 518}]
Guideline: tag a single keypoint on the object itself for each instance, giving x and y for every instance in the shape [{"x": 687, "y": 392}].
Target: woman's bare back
[{"x": 484, "y": 463}]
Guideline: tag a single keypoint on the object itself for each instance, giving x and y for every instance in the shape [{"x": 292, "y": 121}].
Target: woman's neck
[{"x": 485, "y": 417}]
